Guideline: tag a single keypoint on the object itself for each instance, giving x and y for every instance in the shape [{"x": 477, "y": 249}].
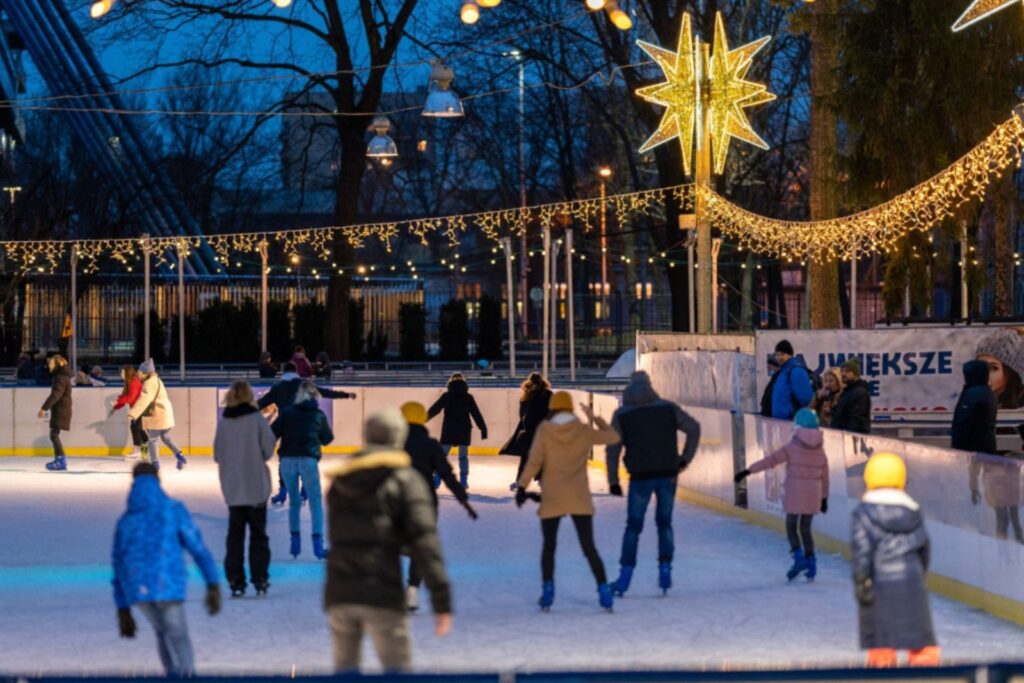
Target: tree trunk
[
  {"x": 824, "y": 275},
  {"x": 1003, "y": 208}
]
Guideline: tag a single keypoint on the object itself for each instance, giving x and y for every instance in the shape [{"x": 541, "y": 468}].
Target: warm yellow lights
[
  {"x": 488, "y": 3},
  {"x": 620, "y": 19},
  {"x": 724, "y": 88},
  {"x": 470, "y": 13},
  {"x": 100, "y": 7},
  {"x": 605, "y": 172},
  {"x": 980, "y": 9},
  {"x": 282, "y": 4},
  {"x": 594, "y": 5}
]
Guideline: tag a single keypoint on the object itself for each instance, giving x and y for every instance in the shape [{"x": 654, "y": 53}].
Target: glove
[
  {"x": 824, "y": 506},
  {"x": 741, "y": 475},
  {"x": 864, "y": 589},
  {"x": 212, "y": 599},
  {"x": 615, "y": 490},
  {"x": 683, "y": 465},
  {"x": 975, "y": 497},
  {"x": 520, "y": 497},
  {"x": 472, "y": 513},
  {"x": 352, "y": 397},
  {"x": 126, "y": 623},
  {"x": 483, "y": 435}
]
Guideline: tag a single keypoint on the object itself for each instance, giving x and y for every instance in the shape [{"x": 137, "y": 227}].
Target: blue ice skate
[
  {"x": 664, "y": 577},
  {"x": 180, "y": 458},
  {"x": 812, "y": 567},
  {"x": 799, "y": 564},
  {"x": 318, "y": 547},
  {"x": 59, "y": 464},
  {"x": 621, "y": 584},
  {"x": 547, "y": 596},
  {"x": 464, "y": 480},
  {"x": 281, "y": 498},
  {"x": 296, "y": 548},
  {"x": 604, "y": 596}
]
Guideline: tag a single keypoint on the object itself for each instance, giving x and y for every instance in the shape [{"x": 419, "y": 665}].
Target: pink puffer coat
[{"x": 806, "y": 481}]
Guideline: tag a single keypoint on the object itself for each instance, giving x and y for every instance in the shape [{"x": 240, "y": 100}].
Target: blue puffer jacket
[
  {"x": 792, "y": 390},
  {"x": 149, "y": 565}
]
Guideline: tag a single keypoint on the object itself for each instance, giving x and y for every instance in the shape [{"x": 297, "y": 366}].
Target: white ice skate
[{"x": 412, "y": 598}]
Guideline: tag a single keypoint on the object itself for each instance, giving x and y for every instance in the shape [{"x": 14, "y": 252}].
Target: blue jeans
[
  {"x": 308, "y": 470},
  {"x": 168, "y": 620},
  {"x": 640, "y": 492},
  {"x": 463, "y": 458}
]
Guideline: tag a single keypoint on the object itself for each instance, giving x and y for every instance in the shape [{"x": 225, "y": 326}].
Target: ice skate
[
  {"x": 59, "y": 464},
  {"x": 437, "y": 481},
  {"x": 812, "y": 567},
  {"x": 604, "y": 596},
  {"x": 261, "y": 587},
  {"x": 238, "y": 590},
  {"x": 144, "y": 453},
  {"x": 281, "y": 498},
  {"x": 547, "y": 596},
  {"x": 621, "y": 584},
  {"x": 318, "y": 546},
  {"x": 799, "y": 565},
  {"x": 181, "y": 461},
  {"x": 665, "y": 577},
  {"x": 464, "y": 480},
  {"x": 412, "y": 599},
  {"x": 296, "y": 548},
  {"x": 302, "y": 492}
]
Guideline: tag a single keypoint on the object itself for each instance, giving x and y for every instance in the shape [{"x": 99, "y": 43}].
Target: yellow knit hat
[
  {"x": 885, "y": 471},
  {"x": 560, "y": 401},
  {"x": 414, "y": 413}
]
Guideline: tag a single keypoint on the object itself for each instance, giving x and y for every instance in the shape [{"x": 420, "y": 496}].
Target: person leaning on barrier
[
  {"x": 852, "y": 412},
  {"x": 792, "y": 388}
]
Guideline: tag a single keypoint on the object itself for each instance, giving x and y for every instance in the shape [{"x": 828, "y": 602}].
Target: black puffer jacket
[
  {"x": 853, "y": 411},
  {"x": 428, "y": 458},
  {"x": 59, "y": 400},
  {"x": 532, "y": 412},
  {"x": 303, "y": 429},
  {"x": 458, "y": 405},
  {"x": 890, "y": 549},
  {"x": 974, "y": 420},
  {"x": 282, "y": 394},
  {"x": 378, "y": 506}
]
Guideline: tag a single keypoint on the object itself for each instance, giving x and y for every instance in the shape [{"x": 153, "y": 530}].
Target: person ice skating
[
  {"x": 282, "y": 395},
  {"x": 792, "y": 390},
  {"x": 806, "y": 489},
  {"x": 853, "y": 410},
  {"x": 379, "y": 505},
  {"x": 430, "y": 460},
  {"x": 242, "y": 446},
  {"x": 157, "y": 413},
  {"x": 58, "y": 403},
  {"x": 891, "y": 552},
  {"x": 561, "y": 450},
  {"x": 303, "y": 430},
  {"x": 648, "y": 425},
  {"x": 1003, "y": 351},
  {"x": 149, "y": 569},
  {"x": 458, "y": 406},
  {"x": 130, "y": 393},
  {"x": 827, "y": 397},
  {"x": 533, "y": 409},
  {"x": 302, "y": 365}
]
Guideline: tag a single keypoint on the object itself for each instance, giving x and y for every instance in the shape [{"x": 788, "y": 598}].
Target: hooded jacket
[
  {"x": 378, "y": 506},
  {"x": 428, "y": 458},
  {"x": 974, "y": 419},
  {"x": 149, "y": 565},
  {"x": 792, "y": 389},
  {"x": 59, "y": 400},
  {"x": 153, "y": 406},
  {"x": 852, "y": 412},
  {"x": 303, "y": 430},
  {"x": 241, "y": 447},
  {"x": 532, "y": 412},
  {"x": 560, "y": 453},
  {"x": 458, "y": 406},
  {"x": 806, "y": 483},
  {"x": 648, "y": 425},
  {"x": 890, "y": 547}
]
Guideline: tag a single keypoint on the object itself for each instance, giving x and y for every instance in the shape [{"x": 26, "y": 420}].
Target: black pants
[
  {"x": 139, "y": 436},
  {"x": 255, "y": 518},
  {"x": 798, "y": 528},
  {"x": 58, "y": 447},
  {"x": 1005, "y": 516},
  {"x": 585, "y": 532}
]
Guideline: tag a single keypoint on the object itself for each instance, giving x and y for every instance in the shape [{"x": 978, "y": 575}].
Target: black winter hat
[
  {"x": 784, "y": 347},
  {"x": 144, "y": 468}
]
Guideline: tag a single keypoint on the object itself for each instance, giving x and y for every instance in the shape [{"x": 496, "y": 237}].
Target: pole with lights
[{"x": 604, "y": 173}]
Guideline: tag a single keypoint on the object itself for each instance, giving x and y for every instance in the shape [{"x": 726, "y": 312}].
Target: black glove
[
  {"x": 126, "y": 623},
  {"x": 352, "y": 397},
  {"x": 824, "y": 506},
  {"x": 520, "y": 497},
  {"x": 615, "y": 490},
  {"x": 864, "y": 589},
  {"x": 212, "y": 599},
  {"x": 472, "y": 513},
  {"x": 483, "y": 435},
  {"x": 741, "y": 475},
  {"x": 975, "y": 497},
  {"x": 683, "y": 465}
]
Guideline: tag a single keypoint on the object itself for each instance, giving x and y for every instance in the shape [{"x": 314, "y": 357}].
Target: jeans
[
  {"x": 168, "y": 620},
  {"x": 463, "y": 458},
  {"x": 804, "y": 538},
  {"x": 585, "y": 532},
  {"x": 294, "y": 469},
  {"x": 640, "y": 491},
  {"x": 388, "y": 629},
  {"x": 254, "y": 517},
  {"x": 161, "y": 435},
  {"x": 58, "y": 447},
  {"x": 138, "y": 433},
  {"x": 1005, "y": 517}
]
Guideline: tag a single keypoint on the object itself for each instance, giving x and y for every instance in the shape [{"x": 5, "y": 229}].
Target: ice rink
[{"x": 731, "y": 605}]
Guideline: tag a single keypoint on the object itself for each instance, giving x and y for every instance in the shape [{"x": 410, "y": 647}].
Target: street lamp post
[
  {"x": 524, "y": 264},
  {"x": 604, "y": 173}
]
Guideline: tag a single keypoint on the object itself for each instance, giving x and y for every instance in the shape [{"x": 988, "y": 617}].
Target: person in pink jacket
[{"x": 806, "y": 488}]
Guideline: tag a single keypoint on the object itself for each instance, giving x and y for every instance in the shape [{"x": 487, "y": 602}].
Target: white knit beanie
[{"x": 1007, "y": 346}]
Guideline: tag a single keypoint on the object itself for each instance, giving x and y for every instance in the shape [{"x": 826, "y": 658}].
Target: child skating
[{"x": 806, "y": 489}]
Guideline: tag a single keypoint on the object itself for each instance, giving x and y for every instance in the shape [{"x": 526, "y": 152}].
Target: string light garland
[{"x": 980, "y": 9}]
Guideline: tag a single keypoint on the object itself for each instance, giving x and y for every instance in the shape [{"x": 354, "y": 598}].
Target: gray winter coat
[
  {"x": 241, "y": 448},
  {"x": 890, "y": 560}
]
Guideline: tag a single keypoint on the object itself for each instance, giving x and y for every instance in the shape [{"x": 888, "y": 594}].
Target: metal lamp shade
[
  {"x": 443, "y": 104},
  {"x": 381, "y": 147}
]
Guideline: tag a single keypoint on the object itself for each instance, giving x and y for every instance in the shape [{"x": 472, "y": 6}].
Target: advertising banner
[{"x": 910, "y": 370}]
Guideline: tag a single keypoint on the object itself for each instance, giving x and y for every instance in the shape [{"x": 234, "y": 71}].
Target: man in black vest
[{"x": 648, "y": 426}]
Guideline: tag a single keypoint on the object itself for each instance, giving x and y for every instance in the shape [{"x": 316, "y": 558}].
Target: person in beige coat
[
  {"x": 560, "y": 452},
  {"x": 157, "y": 413}
]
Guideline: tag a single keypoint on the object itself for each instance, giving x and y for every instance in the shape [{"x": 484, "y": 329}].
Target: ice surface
[{"x": 731, "y": 605}]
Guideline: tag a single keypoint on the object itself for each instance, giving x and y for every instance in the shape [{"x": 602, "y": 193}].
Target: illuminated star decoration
[
  {"x": 728, "y": 93},
  {"x": 980, "y": 9}
]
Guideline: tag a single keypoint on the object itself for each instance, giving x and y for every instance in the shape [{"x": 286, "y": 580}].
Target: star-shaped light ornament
[
  {"x": 980, "y": 9},
  {"x": 724, "y": 90}
]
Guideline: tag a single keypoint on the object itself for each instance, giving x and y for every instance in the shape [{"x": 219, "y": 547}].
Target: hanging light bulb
[
  {"x": 381, "y": 145},
  {"x": 470, "y": 13},
  {"x": 441, "y": 101},
  {"x": 618, "y": 17},
  {"x": 488, "y": 3},
  {"x": 282, "y": 3},
  {"x": 100, "y": 7},
  {"x": 594, "y": 5}
]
